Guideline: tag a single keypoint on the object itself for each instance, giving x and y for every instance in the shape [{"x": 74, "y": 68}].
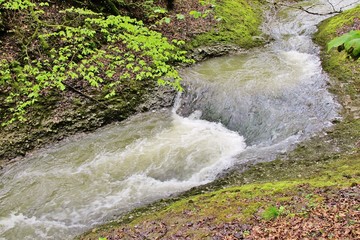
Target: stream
[{"x": 249, "y": 106}]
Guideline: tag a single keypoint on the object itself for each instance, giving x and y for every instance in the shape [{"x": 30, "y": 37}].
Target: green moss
[
  {"x": 336, "y": 64},
  {"x": 239, "y": 24},
  {"x": 329, "y": 28}
]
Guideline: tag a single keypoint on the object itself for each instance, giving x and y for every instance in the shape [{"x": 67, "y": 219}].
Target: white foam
[
  {"x": 67, "y": 194},
  {"x": 31, "y": 226}
]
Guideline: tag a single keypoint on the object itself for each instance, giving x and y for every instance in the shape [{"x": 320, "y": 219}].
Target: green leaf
[
  {"x": 160, "y": 10},
  {"x": 338, "y": 41},
  {"x": 42, "y": 4},
  {"x": 161, "y": 82},
  {"x": 180, "y": 16},
  {"x": 195, "y": 14},
  {"x": 167, "y": 20},
  {"x": 110, "y": 73},
  {"x": 353, "y": 46}
]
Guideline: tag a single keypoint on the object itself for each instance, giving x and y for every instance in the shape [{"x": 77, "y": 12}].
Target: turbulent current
[{"x": 250, "y": 106}]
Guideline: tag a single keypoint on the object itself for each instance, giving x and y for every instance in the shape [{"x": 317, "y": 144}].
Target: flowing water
[{"x": 246, "y": 107}]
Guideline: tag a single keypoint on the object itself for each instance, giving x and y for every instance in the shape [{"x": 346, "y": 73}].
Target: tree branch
[
  {"x": 332, "y": 6},
  {"x": 307, "y": 10},
  {"x": 84, "y": 95}
]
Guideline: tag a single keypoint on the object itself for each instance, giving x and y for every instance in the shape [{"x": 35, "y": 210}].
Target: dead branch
[
  {"x": 309, "y": 11},
  {"x": 84, "y": 95}
]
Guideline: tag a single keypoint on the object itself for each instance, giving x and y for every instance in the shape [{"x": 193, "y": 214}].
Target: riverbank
[
  {"x": 60, "y": 115},
  {"x": 311, "y": 192}
]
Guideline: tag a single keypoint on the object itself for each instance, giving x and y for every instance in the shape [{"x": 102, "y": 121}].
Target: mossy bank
[
  {"x": 321, "y": 176},
  {"x": 339, "y": 67},
  {"x": 239, "y": 25}
]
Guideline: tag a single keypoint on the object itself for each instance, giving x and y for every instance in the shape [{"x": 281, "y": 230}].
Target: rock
[
  {"x": 162, "y": 97},
  {"x": 217, "y": 50}
]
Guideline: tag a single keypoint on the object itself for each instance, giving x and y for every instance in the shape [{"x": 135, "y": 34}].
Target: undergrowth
[{"x": 80, "y": 49}]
